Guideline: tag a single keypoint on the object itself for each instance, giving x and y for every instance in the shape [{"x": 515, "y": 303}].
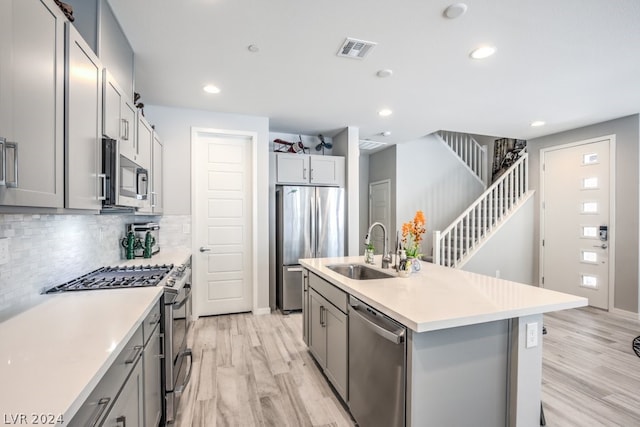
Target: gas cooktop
[{"x": 116, "y": 277}]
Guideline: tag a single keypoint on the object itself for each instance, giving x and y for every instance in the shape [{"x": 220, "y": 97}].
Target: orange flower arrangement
[{"x": 412, "y": 232}]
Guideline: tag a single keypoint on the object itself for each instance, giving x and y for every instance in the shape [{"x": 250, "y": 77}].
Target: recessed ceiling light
[
  {"x": 455, "y": 10},
  {"x": 537, "y": 123},
  {"x": 384, "y": 73},
  {"x": 385, "y": 112},
  {"x": 482, "y": 52},
  {"x": 385, "y": 133},
  {"x": 211, "y": 89},
  {"x": 253, "y": 48}
]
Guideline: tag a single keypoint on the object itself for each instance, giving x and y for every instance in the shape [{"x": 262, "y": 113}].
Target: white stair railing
[
  {"x": 470, "y": 152},
  {"x": 452, "y": 246}
]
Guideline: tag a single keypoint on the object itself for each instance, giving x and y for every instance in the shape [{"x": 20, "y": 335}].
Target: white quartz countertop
[
  {"x": 439, "y": 297},
  {"x": 54, "y": 354}
]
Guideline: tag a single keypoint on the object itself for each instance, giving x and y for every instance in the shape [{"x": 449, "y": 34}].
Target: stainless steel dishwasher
[{"x": 377, "y": 366}]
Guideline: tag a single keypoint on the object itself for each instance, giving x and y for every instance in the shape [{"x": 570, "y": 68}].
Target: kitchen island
[{"x": 467, "y": 357}]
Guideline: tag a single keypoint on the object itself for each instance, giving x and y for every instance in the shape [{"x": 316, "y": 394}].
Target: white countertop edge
[
  {"x": 91, "y": 385},
  {"x": 342, "y": 283},
  {"x": 502, "y": 315}
]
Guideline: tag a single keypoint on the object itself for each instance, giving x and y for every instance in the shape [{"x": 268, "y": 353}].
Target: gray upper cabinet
[
  {"x": 85, "y": 184},
  {"x": 144, "y": 137},
  {"x": 119, "y": 117},
  {"x": 98, "y": 26},
  {"x": 157, "y": 198},
  {"x": 31, "y": 104}
]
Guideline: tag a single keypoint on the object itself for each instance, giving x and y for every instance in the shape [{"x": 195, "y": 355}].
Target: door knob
[
  {"x": 203, "y": 249},
  {"x": 602, "y": 246}
]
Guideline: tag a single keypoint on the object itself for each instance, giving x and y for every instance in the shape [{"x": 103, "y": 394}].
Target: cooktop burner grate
[{"x": 116, "y": 277}]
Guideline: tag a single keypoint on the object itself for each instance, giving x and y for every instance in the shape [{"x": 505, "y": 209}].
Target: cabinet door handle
[
  {"x": 3, "y": 162},
  {"x": 304, "y": 173},
  {"x": 162, "y": 343},
  {"x": 103, "y": 177},
  {"x": 136, "y": 352},
  {"x": 125, "y": 129},
  {"x": 102, "y": 405},
  {"x": 311, "y": 174},
  {"x": 122, "y": 419},
  {"x": 153, "y": 199},
  {"x": 12, "y": 146},
  {"x": 322, "y": 315}
]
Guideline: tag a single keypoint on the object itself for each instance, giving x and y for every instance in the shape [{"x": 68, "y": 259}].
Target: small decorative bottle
[
  {"x": 404, "y": 265},
  {"x": 368, "y": 254}
]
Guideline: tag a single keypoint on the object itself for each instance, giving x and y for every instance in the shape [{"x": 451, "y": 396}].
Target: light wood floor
[
  {"x": 590, "y": 374},
  {"x": 256, "y": 371}
]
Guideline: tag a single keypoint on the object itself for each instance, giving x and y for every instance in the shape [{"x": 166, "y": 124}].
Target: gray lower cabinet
[
  {"x": 151, "y": 359},
  {"x": 328, "y": 326},
  {"x": 130, "y": 393},
  {"x": 106, "y": 399},
  {"x": 128, "y": 409},
  {"x": 305, "y": 306}
]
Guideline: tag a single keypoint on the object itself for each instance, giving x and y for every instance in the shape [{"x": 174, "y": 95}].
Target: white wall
[
  {"x": 346, "y": 144},
  {"x": 431, "y": 178},
  {"x": 510, "y": 250},
  {"x": 174, "y": 127},
  {"x": 382, "y": 165},
  {"x": 364, "y": 199}
]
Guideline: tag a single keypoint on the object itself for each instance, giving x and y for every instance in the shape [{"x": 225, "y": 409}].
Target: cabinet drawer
[
  {"x": 334, "y": 295},
  {"x": 150, "y": 322},
  {"x": 103, "y": 396}
]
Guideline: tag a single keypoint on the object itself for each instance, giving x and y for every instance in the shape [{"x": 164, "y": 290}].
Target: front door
[
  {"x": 222, "y": 217},
  {"x": 575, "y": 217}
]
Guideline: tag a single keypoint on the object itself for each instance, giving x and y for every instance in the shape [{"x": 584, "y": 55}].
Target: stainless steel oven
[{"x": 178, "y": 357}]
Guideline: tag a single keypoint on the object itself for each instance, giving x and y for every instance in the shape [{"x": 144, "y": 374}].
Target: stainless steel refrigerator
[{"x": 310, "y": 224}]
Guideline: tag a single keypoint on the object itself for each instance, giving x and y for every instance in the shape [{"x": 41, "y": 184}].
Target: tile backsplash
[{"x": 45, "y": 250}]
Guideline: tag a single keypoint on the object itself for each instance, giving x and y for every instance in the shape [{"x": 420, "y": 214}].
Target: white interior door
[
  {"x": 576, "y": 199},
  {"x": 379, "y": 211},
  {"x": 223, "y": 218}
]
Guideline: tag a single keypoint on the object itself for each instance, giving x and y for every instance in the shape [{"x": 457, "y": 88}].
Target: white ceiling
[{"x": 568, "y": 62}]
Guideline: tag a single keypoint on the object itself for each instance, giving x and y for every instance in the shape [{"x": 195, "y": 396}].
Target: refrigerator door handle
[{"x": 313, "y": 232}]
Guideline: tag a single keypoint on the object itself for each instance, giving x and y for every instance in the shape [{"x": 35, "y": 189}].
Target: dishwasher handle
[{"x": 396, "y": 337}]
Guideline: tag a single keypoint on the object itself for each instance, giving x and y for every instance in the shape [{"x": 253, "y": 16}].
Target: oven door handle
[
  {"x": 179, "y": 304},
  {"x": 180, "y": 389}
]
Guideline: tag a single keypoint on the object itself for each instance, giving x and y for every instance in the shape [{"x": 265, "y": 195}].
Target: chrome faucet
[{"x": 386, "y": 258}]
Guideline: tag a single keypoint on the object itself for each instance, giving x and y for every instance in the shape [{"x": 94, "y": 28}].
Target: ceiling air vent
[
  {"x": 354, "y": 48},
  {"x": 367, "y": 144}
]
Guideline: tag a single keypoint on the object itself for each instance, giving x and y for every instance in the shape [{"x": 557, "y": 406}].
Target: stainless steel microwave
[{"x": 127, "y": 184}]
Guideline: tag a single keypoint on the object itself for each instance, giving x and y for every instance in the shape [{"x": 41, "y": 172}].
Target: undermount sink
[{"x": 359, "y": 272}]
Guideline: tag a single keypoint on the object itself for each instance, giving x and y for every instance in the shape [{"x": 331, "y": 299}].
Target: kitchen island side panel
[{"x": 458, "y": 376}]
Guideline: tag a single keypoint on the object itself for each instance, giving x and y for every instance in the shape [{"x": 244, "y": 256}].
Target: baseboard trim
[
  {"x": 627, "y": 314},
  {"x": 261, "y": 311}
]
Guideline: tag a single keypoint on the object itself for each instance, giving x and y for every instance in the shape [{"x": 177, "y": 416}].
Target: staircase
[
  {"x": 455, "y": 245},
  {"x": 472, "y": 154}
]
